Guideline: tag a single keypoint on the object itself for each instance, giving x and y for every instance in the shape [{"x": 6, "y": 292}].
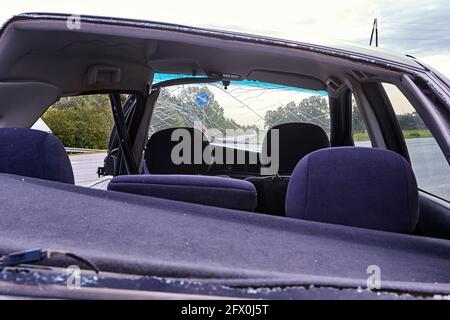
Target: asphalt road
[
  {"x": 431, "y": 169},
  {"x": 85, "y": 167},
  {"x": 430, "y": 166}
]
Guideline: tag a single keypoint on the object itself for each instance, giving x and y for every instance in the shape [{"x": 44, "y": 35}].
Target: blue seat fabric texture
[
  {"x": 360, "y": 187},
  {"x": 207, "y": 190},
  {"x": 158, "y": 153},
  {"x": 34, "y": 153}
]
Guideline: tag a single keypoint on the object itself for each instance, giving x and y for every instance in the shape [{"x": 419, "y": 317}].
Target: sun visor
[
  {"x": 287, "y": 79},
  {"x": 22, "y": 103}
]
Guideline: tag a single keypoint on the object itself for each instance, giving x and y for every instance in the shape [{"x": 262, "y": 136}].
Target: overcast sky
[{"x": 419, "y": 28}]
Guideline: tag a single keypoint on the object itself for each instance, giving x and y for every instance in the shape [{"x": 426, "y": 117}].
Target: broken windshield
[{"x": 242, "y": 109}]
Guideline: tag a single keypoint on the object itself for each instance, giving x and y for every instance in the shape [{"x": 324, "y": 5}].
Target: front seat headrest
[
  {"x": 34, "y": 153},
  {"x": 361, "y": 187},
  {"x": 158, "y": 152},
  {"x": 296, "y": 140}
]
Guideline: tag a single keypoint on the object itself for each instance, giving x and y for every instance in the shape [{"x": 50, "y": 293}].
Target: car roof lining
[
  {"x": 25, "y": 111},
  {"x": 162, "y": 50},
  {"x": 47, "y": 51}
]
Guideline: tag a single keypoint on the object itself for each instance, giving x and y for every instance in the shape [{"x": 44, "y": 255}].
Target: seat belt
[{"x": 122, "y": 133}]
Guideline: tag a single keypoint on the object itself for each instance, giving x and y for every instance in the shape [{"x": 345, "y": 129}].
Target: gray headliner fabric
[
  {"x": 37, "y": 47},
  {"x": 22, "y": 102},
  {"x": 144, "y": 235},
  {"x": 47, "y": 46}
]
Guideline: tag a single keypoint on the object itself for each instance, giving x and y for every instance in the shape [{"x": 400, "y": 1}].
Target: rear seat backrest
[
  {"x": 206, "y": 190},
  {"x": 159, "y": 150},
  {"x": 360, "y": 187},
  {"x": 34, "y": 153}
]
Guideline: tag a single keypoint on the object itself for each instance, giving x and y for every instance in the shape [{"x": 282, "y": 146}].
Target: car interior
[
  {"x": 328, "y": 193},
  {"x": 309, "y": 170}
]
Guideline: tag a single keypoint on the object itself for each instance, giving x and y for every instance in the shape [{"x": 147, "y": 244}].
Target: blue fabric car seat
[
  {"x": 361, "y": 187},
  {"x": 34, "y": 153},
  {"x": 158, "y": 152},
  {"x": 207, "y": 190},
  {"x": 296, "y": 140}
]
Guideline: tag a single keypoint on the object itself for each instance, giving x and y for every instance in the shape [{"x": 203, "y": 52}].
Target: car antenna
[{"x": 374, "y": 30}]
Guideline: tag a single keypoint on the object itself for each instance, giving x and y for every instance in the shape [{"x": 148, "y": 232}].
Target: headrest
[
  {"x": 361, "y": 187},
  {"x": 158, "y": 153},
  {"x": 296, "y": 140},
  {"x": 34, "y": 153}
]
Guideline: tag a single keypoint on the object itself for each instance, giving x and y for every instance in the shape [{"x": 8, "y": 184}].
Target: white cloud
[
  {"x": 402, "y": 22},
  {"x": 441, "y": 62}
]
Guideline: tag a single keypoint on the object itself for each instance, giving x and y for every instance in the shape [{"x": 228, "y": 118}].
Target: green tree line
[
  {"x": 181, "y": 110},
  {"x": 86, "y": 121},
  {"x": 315, "y": 110},
  {"x": 82, "y": 121}
]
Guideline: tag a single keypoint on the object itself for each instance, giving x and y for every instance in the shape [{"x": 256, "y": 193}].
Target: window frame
[{"x": 429, "y": 106}]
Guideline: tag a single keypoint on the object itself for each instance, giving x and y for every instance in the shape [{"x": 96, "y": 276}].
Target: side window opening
[
  {"x": 427, "y": 159},
  {"x": 359, "y": 130},
  {"x": 83, "y": 124}
]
